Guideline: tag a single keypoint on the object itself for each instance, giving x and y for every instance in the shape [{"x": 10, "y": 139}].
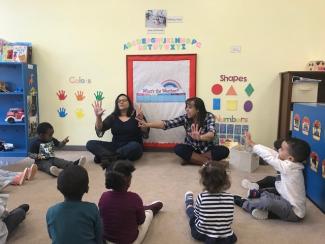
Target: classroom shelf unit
[
  {"x": 286, "y": 97},
  {"x": 18, "y": 94}
]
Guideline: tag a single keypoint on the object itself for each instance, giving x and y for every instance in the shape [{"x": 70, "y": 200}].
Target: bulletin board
[{"x": 161, "y": 84}]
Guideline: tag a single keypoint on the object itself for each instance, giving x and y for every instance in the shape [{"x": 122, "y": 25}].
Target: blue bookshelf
[{"x": 22, "y": 93}]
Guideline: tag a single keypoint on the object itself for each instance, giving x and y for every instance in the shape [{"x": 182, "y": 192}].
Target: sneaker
[
  {"x": 154, "y": 207},
  {"x": 20, "y": 178},
  {"x": 249, "y": 185},
  {"x": 96, "y": 160},
  {"x": 253, "y": 193},
  {"x": 24, "y": 207},
  {"x": 239, "y": 201},
  {"x": 31, "y": 172},
  {"x": 82, "y": 161},
  {"x": 260, "y": 214},
  {"x": 188, "y": 198},
  {"x": 55, "y": 171}
]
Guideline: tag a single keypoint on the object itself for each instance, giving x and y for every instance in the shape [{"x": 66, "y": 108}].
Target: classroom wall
[{"x": 85, "y": 39}]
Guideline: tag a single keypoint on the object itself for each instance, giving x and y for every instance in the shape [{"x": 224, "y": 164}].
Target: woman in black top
[{"x": 127, "y": 140}]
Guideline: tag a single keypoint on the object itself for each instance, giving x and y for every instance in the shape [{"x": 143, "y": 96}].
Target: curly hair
[
  {"x": 214, "y": 177},
  {"x": 117, "y": 178}
]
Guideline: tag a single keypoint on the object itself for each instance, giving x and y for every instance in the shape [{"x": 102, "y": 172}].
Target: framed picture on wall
[{"x": 161, "y": 84}]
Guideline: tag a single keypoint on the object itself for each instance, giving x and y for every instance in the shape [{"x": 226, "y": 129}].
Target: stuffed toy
[{"x": 316, "y": 66}]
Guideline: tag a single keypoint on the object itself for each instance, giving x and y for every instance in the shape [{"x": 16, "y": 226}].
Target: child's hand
[
  {"x": 139, "y": 113},
  {"x": 39, "y": 156},
  {"x": 66, "y": 140},
  {"x": 248, "y": 138}
]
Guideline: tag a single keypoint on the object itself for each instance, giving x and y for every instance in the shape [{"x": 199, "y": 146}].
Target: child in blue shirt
[{"x": 74, "y": 221}]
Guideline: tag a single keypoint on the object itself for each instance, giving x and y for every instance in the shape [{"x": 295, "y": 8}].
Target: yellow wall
[{"x": 85, "y": 38}]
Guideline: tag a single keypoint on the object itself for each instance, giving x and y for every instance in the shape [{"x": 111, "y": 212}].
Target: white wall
[{"x": 85, "y": 38}]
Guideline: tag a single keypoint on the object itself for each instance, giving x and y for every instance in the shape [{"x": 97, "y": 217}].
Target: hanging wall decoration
[
  {"x": 99, "y": 95},
  {"x": 161, "y": 84},
  {"x": 305, "y": 125},
  {"x": 296, "y": 122},
  {"x": 79, "y": 113},
  {"x": 61, "y": 95},
  {"x": 163, "y": 43},
  {"x": 62, "y": 112},
  {"x": 79, "y": 95},
  {"x": 317, "y": 130}
]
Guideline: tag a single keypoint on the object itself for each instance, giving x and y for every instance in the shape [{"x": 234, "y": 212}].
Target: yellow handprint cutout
[{"x": 80, "y": 113}]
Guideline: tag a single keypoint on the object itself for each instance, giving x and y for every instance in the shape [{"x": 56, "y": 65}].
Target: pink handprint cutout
[{"x": 61, "y": 95}]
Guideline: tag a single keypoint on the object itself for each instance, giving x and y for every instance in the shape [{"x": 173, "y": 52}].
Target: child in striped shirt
[{"x": 213, "y": 212}]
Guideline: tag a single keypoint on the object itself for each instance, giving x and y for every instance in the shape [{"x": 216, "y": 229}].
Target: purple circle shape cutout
[{"x": 248, "y": 106}]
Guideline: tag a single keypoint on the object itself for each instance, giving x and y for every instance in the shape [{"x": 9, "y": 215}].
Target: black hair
[
  {"x": 118, "y": 178},
  {"x": 42, "y": 128},
  {"x": 298, "y": 149},
  {"x": 73, "y": 182},
  {"x": 199, "y": 105},
  {"x": 278, "y": 143},
  {"x": 214, "y": 177},
  {"x": 117, "y": 111}
]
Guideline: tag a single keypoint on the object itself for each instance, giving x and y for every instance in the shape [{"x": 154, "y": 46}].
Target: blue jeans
[
  {"x": 276, "y": 205},
  {"x": 131, "y": 150}
]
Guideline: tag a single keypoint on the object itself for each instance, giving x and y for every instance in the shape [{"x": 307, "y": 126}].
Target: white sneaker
[
  {"x": 249, "y": 185},
  {"x": 260, "y": 214},
  {"x": 55, "y": 171},
  {"x": 188, "y": 195},
  {"x": 82, "y": 161}
]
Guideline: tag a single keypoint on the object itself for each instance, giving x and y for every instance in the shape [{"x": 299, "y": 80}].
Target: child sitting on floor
[
  {"x": 42, "y": 151},
  {"x": 16, "y": 178},
  {"x": 212, "y": 215},
  {"x": 283, "y": 196},
  {"x": 74, "y": 221},
  {"x": 124, "y": 217},
  {"x": 9, "y": 221}
]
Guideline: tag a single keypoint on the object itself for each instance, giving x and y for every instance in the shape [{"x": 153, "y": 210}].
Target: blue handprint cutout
[{"x": 62, "y": 112}]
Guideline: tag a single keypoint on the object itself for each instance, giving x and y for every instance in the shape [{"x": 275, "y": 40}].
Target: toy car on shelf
[
  {"x": 6, "y": 146},
  {"x": 15, "y": 115}
]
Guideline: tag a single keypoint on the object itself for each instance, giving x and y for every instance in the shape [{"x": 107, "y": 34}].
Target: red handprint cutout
[
  {"x": 79, "y": 95},
  {"x": 61, "y": 95}
]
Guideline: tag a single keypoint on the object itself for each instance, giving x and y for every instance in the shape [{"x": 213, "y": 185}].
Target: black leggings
[{"x": 185, "y": 152}]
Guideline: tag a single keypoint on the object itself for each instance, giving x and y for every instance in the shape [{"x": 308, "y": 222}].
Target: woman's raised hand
[
  {"x": 195, "y": 132},
  {"x": 139, "y": 113},
  {"x": 97, "y": 105}
]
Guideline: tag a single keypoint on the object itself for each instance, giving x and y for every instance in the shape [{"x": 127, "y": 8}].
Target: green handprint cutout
[{"x": 99, "y": 96}]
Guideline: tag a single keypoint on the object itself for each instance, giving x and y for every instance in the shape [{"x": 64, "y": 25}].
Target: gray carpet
[{"x": 159, "y": 175}]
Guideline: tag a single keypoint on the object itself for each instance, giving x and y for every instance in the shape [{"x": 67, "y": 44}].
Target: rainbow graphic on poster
[{"x": 163, "y": 92}]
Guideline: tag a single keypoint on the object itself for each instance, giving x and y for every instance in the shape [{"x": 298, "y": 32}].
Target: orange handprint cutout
[
  {"x": 61, "y": 95},
  {"x": 79, "y": 95}
]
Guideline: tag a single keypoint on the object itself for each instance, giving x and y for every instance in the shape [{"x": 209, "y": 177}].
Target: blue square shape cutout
[{"x": 216, "y": 103}]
